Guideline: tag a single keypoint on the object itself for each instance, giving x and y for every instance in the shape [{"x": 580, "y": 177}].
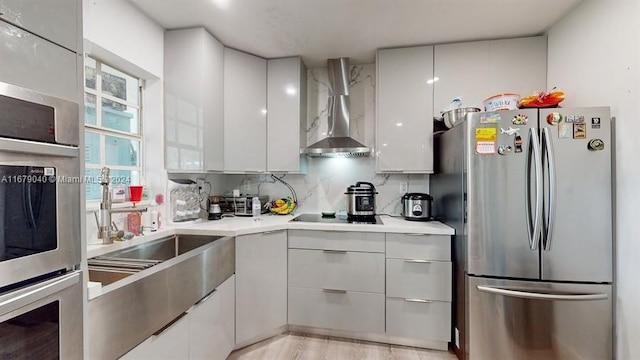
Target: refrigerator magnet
[
  {"x": 595, "y": 123},
  {"x": 570, "y": 118},
  {"x": 579, "y": 131},
  {"x": 554, "y": 118},
  {"x": 490, "y": 119},
  {"x": 579, "y": 119},
  {"x": 504, "y": 149},
  {"x": 520, "y": 119},
  {"x": 517, "y": 143},
  {"x": 486, "y": 140},
  {"x": 595, "y": 145},
  {"x": 564, "y": 131}
]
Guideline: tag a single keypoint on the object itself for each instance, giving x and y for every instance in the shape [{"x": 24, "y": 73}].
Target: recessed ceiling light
[
  {"x": 398, "y": 124},
  {"x": 290, "y": 90},
  {"x": 431, "y": 81},
  {"x": 264, "y": 111}
]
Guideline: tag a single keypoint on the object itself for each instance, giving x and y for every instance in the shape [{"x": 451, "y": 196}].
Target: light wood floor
[{"x": 306, "y": 347}]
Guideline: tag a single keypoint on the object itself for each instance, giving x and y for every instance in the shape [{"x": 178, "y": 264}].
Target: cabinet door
[
  {"x": 213, "y": 106},
  {"x": 212, "y": 324},
  {"x": 28, "y": 61},
  {"x": 287, "y": 114},
  {"x": 245, "y": 112},
  {"x": 261, "y": 284},
  {"x": 477, "y": 70},
  {"x": 171, "y": 343},
  {"x": 183, "y": 79},
  {"x": 54, "y": 20},
  {"x": 404, "y": 119}
]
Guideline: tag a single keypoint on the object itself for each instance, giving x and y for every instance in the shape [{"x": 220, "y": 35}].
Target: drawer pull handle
[
  {"x": 334, "y": 251},
  {"x": 335, "y": 291},
  {"x": 419, "y": 301},
  {"x": 417, "y": 261},
  {"x": 414, "y": 234}
]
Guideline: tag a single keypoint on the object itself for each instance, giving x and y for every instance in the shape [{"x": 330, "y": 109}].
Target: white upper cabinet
[
  {"x": 404, "y": 131},
  {"x": 245, "y": 112},
  {"x": 193, "y": 78},
  {"x": 477, "y": 70},
  {"x": 286, "y": 117},
  {"x": 55, "y": 20}
]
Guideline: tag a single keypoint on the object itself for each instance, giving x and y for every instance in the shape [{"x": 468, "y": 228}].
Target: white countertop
[{"x": 233, "y": 226}]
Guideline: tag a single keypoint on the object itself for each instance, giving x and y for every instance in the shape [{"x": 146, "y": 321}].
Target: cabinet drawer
[
  {"x": 422, "y": 280},
  {"x": 419, "y": 320},
  {"x": 336, "y": 240},
  {"x": 348, "y": 311},
  {"x": 333, "y": 269},
  {"x": 419, "y": 246}
]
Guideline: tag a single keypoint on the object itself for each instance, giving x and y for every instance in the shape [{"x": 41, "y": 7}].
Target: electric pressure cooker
[
  {"x": 416, "y": 206},
  {"x": 361, "y": 200}
]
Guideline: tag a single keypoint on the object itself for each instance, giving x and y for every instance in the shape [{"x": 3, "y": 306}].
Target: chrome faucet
[{"x": 106, "y": 228}]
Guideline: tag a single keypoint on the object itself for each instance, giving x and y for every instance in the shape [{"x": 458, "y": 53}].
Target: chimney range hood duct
[{"x": 337, "y": 143}]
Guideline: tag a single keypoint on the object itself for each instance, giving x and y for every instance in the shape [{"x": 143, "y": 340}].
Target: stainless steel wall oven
[{"x": 40, "y": 209}]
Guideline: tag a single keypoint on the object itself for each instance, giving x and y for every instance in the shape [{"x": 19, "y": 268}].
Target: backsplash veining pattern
[{"x": 323, "y": 187}]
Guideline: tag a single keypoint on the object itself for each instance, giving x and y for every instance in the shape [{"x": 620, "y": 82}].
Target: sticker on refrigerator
[
  {"x": 595, "y": 145},
  {"x": 504, "y": 149},
  {"x": 486, "y": 140},
  {"x": 490, "y": 119},
  {"x": 520, "y": 119},
  {"x": 579, "y": 131},
  {"x": 595, "y": 123},
  {"x": 554, "y": 118},
  {"x": 517, "y": 143},
  {"x": 564, "y": 131},
  {"x": 510, "y": 131}
]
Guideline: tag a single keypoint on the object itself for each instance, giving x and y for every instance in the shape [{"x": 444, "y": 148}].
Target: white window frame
[{"x": 104, "y": 131}]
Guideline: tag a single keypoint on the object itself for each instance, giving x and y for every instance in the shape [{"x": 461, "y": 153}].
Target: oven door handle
[{"x": 16, "y": 299}]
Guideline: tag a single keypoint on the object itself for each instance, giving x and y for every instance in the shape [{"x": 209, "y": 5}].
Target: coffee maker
[{"x": 214, "y": 209}]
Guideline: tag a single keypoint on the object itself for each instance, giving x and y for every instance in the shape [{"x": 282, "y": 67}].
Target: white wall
[
  {"x": 119, "y": 34},
  {"x": 593, "y": 57}
]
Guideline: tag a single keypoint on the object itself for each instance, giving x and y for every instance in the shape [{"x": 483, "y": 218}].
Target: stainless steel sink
[
  {"x": 117, "y": 265},
  {"x": 165, "y": 278}
]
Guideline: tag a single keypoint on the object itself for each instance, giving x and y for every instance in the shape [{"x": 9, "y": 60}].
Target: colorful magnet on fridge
[
  {"x": 510, "y": 131},
  {"x": 520, "y": 119},
  {"x": 490, "y": 119},
  {"x": 578, "y": 119},
  {"x": 554, "y": 118},
  {"x": 579, "y": 131},
  {"x": 517, "y": 144},
  {"x": 504, "y": 149},
  {"x": 595, "y": 145},
  {"x": 564, "y": 131},
  {"x": 570, "y": 118}
]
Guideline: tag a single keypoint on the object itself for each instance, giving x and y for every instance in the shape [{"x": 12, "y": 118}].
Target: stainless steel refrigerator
[{"x": 529, "y": 193}]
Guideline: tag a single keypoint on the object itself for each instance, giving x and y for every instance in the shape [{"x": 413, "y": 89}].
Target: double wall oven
[{"x": 40, "y": 280}]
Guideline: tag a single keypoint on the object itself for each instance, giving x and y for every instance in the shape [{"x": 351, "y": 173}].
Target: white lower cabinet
[
  {"x": 337, "y": 309},
  {"x": 419, "y": 319},
  {"x": 419, "y": 288},
  {"x": 261, "y": 284},
  {"x": 205, "y": 331},
  {"x": 336, "y": 280},
  {"x": 170, "y": 343},
  {"x": 212, "y": 324}
]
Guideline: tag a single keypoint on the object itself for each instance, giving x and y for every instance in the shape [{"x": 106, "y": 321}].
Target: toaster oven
[{"x": 241, "y": 205}]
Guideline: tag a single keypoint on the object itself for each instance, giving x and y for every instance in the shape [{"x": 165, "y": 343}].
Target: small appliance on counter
[
  {"x": 417, "y": 206},
  {"x": 241, "y": 205},
  {"x": 184, "y": 200},
  {"x": 361, "y": 200}
]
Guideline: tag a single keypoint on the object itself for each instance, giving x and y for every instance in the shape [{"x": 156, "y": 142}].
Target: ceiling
[{"x": 322, "y": 29}]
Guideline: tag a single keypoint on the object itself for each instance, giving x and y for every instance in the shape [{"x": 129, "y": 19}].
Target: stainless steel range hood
[{"x": 337, "y": 143}]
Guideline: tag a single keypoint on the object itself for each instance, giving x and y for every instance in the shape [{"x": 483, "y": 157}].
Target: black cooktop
[{"x": 337, "y": 219}]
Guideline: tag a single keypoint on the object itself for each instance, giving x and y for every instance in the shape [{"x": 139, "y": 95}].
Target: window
[{"x": 113, "y": 126}]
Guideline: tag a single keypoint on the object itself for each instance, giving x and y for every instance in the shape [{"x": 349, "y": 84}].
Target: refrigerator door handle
[
  {"x": 534, "y": 222},
  {"x": 541, "y": 296},
  {"x": 551, "y": 176}
]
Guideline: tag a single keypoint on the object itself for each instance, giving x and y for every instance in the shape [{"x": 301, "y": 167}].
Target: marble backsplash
[{"x": 327, "y": 179}]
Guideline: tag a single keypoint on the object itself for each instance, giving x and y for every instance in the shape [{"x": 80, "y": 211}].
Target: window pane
[
  {"x": 89, "y": 72},
  {"x": 120, "y": 151},
  {"x": 92, "y": 186},
  {"x": 91, "y": 147},
  {"x": 119, "y": 84},
  {"x": 121, "y": 117},
  {"x": 124, "y": 177},
  {"x": 90, "y": 109}
]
